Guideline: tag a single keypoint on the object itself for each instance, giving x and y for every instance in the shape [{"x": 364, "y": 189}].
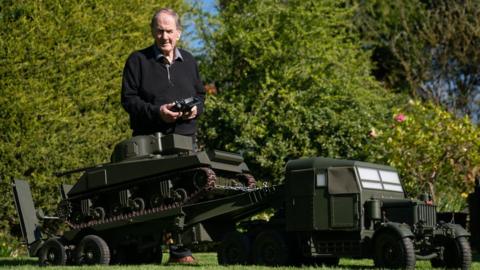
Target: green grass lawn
[{"x": 207, "y": 261}]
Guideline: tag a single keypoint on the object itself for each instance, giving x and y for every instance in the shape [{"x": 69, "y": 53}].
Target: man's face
[{"x": 165, "y": 33}]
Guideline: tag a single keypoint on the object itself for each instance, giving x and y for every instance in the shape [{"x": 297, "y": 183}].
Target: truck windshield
[{"x": 379, "y": 179}]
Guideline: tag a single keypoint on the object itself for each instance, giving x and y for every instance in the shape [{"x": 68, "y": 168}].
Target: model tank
[{"x": 150, "y": 173}]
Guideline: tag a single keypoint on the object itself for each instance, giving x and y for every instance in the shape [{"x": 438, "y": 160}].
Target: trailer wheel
[
  {"x": 234, "y": 249},
  {"x": 456, "y": 254},
  {"x": 92, "y": 250},
  {"x": 392, "y": 251},
  {"x": 270, "y": 248},
  {"x": 52, "y": 252}
]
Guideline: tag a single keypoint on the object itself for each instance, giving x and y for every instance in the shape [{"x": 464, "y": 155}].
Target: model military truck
[{"x": 340, "y": 208}]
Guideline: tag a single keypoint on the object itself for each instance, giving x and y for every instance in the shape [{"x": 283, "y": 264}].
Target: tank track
[{"x": 174, "y": 190}]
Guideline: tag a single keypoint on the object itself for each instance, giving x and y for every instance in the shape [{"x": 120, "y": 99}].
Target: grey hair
[{"x": 168, "y": 11}]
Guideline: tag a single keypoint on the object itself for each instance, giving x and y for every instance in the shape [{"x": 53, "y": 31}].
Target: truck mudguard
[{"x": 402, "y": 229}]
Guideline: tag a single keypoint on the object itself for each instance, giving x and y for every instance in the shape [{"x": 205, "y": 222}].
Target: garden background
[{"x": 393, "y": 82}]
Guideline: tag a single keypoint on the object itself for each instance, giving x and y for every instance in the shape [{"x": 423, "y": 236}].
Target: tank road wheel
[
  {"x": 92, "y": 250},
  {"x": 270, "y": 248},
  {"x": 52, "y": 252},
  {"x": 456, "y": 254},
  {"x": 392, "y": 251},
  {"x": 234, "y": 249},
  {"x": 138, "y": 204},
  {"x": 99, "y": 213},
  {"x": 181, "y": 195}
]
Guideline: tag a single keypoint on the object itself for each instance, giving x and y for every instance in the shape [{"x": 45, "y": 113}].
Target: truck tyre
[
  {"x": 270, "y": 248},
  {"x": 234, "y": 249},
  {"x": 457, "y": 254},
  {"x": 92, "y": 250},
  {"x": 392, "y": 251},
  {"x": 52, "y": 252}
]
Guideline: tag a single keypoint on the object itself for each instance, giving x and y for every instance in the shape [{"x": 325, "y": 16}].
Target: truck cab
[{"x": 333, "y": 193}]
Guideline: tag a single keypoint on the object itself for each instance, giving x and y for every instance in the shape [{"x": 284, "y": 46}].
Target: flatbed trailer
[{"x": 137, "y": 237}]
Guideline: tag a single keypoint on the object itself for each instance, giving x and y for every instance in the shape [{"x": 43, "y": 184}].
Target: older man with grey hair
[{"x": 153, "y": 79}]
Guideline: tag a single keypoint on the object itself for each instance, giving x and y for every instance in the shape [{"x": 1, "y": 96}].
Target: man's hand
[
  {"x": 169, "y": 116},
  {"x": 191, "y": 114}
]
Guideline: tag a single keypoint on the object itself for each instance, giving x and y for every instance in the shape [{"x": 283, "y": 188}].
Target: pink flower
[{"x": 400, "y": 117}]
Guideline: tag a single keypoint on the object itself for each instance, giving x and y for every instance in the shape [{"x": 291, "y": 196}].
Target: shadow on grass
[{"x": 18, "y": 261}]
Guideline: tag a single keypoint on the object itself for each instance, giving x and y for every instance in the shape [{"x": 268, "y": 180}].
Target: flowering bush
[{"x": 434, "y": 152}]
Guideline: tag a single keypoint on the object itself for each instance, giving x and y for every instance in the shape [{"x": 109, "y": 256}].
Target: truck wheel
[
  {"x": 92, "y": 250},
  {"x": 456, "y": 254},
  {"x": 234, "y": 249},
  {"x": 270, "y": 248},
  {"x": 52, "y": 252},
  {"x": 392, "y": 251}
]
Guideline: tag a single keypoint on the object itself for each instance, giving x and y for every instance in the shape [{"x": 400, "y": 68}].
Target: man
[{"x": 155, "y": 77}]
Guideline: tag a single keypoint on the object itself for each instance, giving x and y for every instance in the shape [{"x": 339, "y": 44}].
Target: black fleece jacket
[{"x": 148, "y": 83}]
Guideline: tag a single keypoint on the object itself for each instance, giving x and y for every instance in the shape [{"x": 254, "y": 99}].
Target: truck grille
[{"x": 426, "y": 214}]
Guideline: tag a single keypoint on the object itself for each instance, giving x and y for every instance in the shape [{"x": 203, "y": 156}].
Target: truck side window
[{"x": 320, "y": 181}]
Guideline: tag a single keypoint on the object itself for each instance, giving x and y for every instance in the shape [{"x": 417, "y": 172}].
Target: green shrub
[
  {"x": 61, "y": 68},
  {"x": 292, "y": 81},
  {"x": 10, "y": 246},
  {"x": 434, "y": 151}
]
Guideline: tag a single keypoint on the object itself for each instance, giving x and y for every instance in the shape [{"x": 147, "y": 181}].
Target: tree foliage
[
  {"x": 292, "y": 81},
  {"x": 434, "y": 151},
  {"x": 427, "y": 48},
  {"x": 61, "y": 67}
]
